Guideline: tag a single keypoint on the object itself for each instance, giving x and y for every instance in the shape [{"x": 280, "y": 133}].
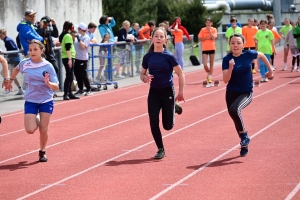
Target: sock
[
  {"x": 284, "y": 64},
  {"x": 209, "y": 76}
]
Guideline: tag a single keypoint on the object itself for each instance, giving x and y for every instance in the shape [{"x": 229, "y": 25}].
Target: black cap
[
  {"x": 46, "y": 19},
  {"x": 29, "y": 12}
]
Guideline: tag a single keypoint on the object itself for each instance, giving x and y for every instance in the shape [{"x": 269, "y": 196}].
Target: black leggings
[
  {"x": 294, "y": 60},
  {"x": 236, "y": 101},
  {"x": 164, "y": 100},
  {"x": 81, "y": 75},
  {"x": 272, "y": 59},
  {"x": 69, "y": 75}
]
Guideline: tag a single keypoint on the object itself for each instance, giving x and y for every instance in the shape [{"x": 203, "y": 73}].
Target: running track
[{"x": 100, "y": 147}]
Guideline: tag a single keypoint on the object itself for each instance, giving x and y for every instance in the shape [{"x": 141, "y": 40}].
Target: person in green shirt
[
  {"x": 264, "y": 44},
  {"x": 68, "y": 57},
  {"x": 231, "y": 31},
  {"x": 283, "y": 32},
  {"x": 296, "y": 33}
]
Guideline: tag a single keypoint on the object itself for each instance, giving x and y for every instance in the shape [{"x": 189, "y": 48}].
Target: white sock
[
  {"x": 209, "y": 76},
  {"x": 284, "y": 64}
]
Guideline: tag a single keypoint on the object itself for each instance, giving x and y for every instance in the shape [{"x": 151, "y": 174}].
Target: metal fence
[{"x": 134, "y": 53}]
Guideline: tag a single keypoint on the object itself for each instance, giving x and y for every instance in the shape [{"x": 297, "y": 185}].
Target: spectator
[
  {"x": 145, "y": 31},
  {"x": 13, "y": 59},
  {"x": 90, "y": 32},
  {"x": 178, "y": 41},
  {"x": 102, "y": 57},
  {"x": 232, "y": 30},
  {"x": 283, "y": 32},
  {"x": 106, "y": 24},
  {"x": 249, "y": 33},
  {"x": 81, "y": 47},
  {"x": 169, "y": 34},
  {"x": 123, "y": 53},
  {"x": 237, "y": 23},
  {"x": 48, "y": 29},
  {"x": 293, "y": 47},
  {"x": 4, "y": 64},
  {"x": 269, "y": 18},
  {"x": 134, "y": 30},
  {"x": 27, "y": 31},
  {"x": 68, "y": 57}
]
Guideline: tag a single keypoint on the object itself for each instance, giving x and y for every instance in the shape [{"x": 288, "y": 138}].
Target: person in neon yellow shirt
[
  {"x": 231, "y": 31},
  {"x": 264, "y": 44},
  {"x": 283, "y": 32}
]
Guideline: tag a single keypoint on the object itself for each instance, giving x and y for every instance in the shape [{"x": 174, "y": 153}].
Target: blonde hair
[
  {"x": 3, "y": 31},
  {"x": 151, "y": 48}
]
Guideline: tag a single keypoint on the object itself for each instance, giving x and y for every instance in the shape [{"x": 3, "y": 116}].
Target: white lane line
[
  {"x": 98, "y": 94},
  {"x": 134, "y": 118},
  {"x": 100, "y": 129},
  {"x": 146, "y": 144},
  {"x": 293, "y": 193},
  {"x": 217, "y": 158},
  {"x": 92, "y": 110}
]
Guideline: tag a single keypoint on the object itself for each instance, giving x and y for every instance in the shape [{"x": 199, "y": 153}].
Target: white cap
[{"x": 82, "y": 26}]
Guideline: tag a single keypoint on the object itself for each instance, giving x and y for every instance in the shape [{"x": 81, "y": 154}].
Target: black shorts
[
  {"x": 209, "y": 52},
  {"x": 249, "y": 48}
]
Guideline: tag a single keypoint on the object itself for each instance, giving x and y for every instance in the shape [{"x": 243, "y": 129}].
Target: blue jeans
[
  {"x": 263, "y": 67},
  {"x": 179, "y": 53}
]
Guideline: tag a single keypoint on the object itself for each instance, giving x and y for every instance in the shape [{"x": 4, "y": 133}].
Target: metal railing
[{"x": 134, "y": 55}]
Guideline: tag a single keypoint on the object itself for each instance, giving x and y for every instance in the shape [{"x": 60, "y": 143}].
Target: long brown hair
[
  {"x": 151, "y": 48},
  {"x": 41, "y": 45}
]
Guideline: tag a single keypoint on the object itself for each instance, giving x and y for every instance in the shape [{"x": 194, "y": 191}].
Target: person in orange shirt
[
  {"x": 276, "y": 40},
  {"x": 207, "y": 36},
  {"x": 249, "y": 33},
  {"x": 179, "y": 47},
  {"x": 145, "y": 31}
]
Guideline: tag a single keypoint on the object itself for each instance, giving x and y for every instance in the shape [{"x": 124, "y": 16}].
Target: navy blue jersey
[
  {"x": 160, "y": 65},
  {"x": 241, "y": 78}
]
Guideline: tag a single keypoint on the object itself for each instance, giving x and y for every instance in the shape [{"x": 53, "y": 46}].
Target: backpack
[{"x": 194, "y": 60}]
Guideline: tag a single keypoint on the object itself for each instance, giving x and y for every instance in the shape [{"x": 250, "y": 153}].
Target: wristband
[{"x": 6, "y": 79}]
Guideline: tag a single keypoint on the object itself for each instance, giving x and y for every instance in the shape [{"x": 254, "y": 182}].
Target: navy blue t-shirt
[
  {"x": 241, "y": 78},
  {"x": 160, "y": 65}
]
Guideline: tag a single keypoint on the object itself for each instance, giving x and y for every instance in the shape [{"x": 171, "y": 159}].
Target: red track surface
[{"x": 100, "y": 147}]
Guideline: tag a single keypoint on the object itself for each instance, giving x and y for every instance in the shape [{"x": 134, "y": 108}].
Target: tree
[{"x": 191, "y": 12}]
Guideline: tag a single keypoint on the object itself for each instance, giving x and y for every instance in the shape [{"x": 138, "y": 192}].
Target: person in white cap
[
  {"x": 27, "y": 31},
  {"x": 81, "y": 45}
]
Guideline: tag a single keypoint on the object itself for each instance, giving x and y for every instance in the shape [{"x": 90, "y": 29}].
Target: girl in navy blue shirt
[
  {"x": 237, "y": 73},
  {"x": 160, "y": 64}
]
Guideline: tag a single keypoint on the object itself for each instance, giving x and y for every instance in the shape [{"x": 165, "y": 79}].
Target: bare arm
[
  {"x": 181, "y": 81},
  {"x": 227, "y": 73},
  {"x": 266, "y": 62}
]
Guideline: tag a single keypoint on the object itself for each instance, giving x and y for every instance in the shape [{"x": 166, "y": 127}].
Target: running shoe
[
  {"x": 79, "y": 92},
  {"x": 43, "y": 157},
  {"x": 245, "y": 140},
  {"x": 160, "y": 154},
  {"x": 178, "y": 109},
  {"x": 89, "y": 93},
  {"x": 20, "y": 92}
]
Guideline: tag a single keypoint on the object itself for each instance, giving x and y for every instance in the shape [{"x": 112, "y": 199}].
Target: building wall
[{"x": 12, "y": 12}]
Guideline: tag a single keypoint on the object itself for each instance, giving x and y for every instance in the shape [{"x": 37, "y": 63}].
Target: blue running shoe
[
  {"x": 243, "y": 151},
  {"x": 245, "y": 140}
]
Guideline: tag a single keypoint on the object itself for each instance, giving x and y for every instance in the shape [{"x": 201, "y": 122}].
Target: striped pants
[{"x": 236, "y": 101}]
